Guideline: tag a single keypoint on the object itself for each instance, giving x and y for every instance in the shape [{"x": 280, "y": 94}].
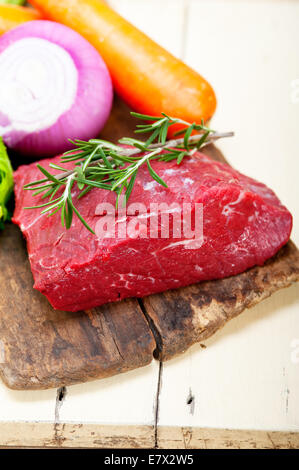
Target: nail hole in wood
[
  {"x": 61, "y": 393},
  {"x": 191, "y": 401}
]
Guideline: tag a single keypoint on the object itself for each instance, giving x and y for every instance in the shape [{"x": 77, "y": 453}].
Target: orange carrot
[
  {"x": 13, "y": 15},
  {"x": 144, "y": 74}
]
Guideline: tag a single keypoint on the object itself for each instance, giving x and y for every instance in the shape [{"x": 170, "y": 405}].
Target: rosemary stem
[
  {"x": 104, "y": 165},
  {"x": 170, "y": 143}
]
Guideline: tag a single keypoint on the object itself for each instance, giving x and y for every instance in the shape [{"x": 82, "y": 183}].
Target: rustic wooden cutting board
[{"x": 43, "y": 348}]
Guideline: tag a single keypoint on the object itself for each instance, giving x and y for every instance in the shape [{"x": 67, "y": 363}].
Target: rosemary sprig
[{"x": 104, "y": 165}]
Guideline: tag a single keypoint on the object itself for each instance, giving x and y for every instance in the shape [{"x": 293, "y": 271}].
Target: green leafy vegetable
[
  {"x": 13, "y": 2},
  {"x": 6, "y": 183}
]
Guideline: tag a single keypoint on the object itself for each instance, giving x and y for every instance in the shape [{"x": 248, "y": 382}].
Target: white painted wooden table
[{"x": 247, "y": 378}]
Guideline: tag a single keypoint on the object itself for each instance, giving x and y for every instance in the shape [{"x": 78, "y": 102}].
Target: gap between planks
[
  {"x": 61, "y": 392},
  {"x": 159, "y": 343}
]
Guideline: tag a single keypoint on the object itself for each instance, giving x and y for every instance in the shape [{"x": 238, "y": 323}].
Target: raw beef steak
[{"x": 243, "y": 224}]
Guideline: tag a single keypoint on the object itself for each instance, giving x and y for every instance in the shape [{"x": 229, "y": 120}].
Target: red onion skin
[{"x": 93, "y": 102}]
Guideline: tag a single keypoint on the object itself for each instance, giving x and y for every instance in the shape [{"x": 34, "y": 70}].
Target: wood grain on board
[
  {"x": 42, "y": 348},
  {"x": 70, "y": 435}
]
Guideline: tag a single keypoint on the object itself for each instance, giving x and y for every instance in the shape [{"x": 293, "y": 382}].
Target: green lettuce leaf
[
  {"x": 6, "y": 183},
  {"x": 13, "y": 2}
]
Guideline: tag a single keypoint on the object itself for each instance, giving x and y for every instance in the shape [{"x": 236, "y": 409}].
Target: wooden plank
[
  {"x": 255, "y": 83},
  {"x": 246, "y": 377},
  {"x": 123, "y": 399},
  {"x": 26, "y": 405},
  {"x": 69, "y": 435},
  {"x": 198, "y": 438}
]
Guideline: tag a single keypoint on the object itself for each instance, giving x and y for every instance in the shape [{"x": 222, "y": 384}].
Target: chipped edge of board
[{"x": 72, "y": 435}]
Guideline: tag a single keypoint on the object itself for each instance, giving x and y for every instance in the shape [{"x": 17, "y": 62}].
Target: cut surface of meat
[{"x": 210, "y": 222}]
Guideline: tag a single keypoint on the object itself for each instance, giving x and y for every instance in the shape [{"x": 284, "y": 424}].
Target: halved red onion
[{"x": 54, "y": 86}]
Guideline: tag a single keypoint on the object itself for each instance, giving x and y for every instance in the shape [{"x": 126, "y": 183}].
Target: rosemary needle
[{"x": 104, "y": 165}]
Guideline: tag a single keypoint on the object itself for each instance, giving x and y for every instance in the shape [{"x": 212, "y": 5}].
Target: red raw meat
[{"x": 244, "y": 224}]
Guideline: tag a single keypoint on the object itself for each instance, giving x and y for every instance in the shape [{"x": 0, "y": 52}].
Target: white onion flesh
[{"x": 38, "y": 83}]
